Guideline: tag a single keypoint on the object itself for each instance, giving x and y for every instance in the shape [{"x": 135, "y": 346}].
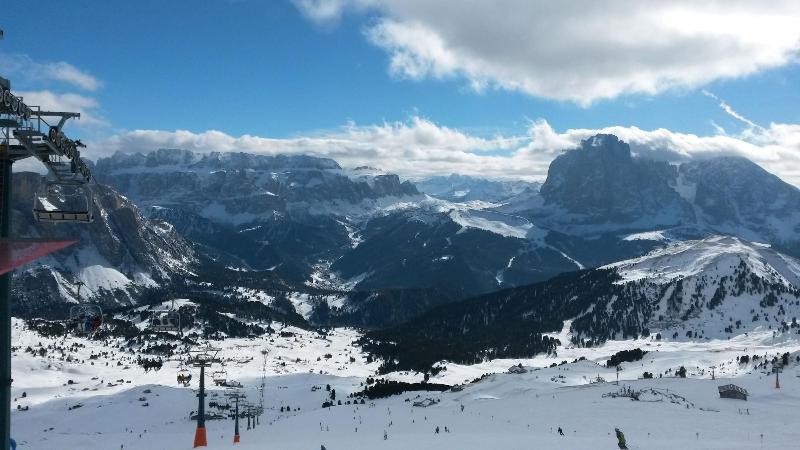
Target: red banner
[{"x": 18, "y": 252}]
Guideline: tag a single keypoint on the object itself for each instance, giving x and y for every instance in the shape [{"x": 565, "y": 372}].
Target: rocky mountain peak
[{"x": 603, "y": 183}]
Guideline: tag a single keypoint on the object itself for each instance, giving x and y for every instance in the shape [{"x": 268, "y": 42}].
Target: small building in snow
[{"x": 732, "y": 391}]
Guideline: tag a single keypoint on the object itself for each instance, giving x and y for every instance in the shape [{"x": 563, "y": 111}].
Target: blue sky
[{"x": 282, "y": 69}]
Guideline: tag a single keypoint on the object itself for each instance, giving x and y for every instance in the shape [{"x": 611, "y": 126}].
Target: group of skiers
[
  {"x": 87, "y": 323},
  {"x": 184, "y": 379}
]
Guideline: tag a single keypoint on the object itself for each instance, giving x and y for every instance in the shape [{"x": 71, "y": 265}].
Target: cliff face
[{"x": 117, "y": 255}]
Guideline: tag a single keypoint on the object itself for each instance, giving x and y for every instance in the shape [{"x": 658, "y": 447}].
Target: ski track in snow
[{"x": 511, "y": 411}]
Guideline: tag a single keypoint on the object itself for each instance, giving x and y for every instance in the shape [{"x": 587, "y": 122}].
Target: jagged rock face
[
  {"x": 240, "y": 187},
  {"x": 601, "y": 188},
  {"x": 733, "y": 192},
  {"x": 282, "y": 212},
  {"x": 601, "y": 182},
  {"x": 117, "y": 254}
]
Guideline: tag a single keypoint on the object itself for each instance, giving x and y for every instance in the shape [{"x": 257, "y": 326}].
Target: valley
[{"x": 508, "y": 299}]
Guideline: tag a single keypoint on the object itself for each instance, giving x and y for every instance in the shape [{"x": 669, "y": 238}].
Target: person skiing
[
  {"x": 560, "y": 431},
  {"x": 620, "y": 439},
  {"x": 96, "y": 322}
]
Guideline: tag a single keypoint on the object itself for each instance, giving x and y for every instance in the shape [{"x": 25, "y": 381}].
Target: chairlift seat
[
  {"x": 63, "y": 202},
  {"x": 85, "y": 319},
  {"x": 166, "y": 321},
  {"x": 43, "y": 215}
]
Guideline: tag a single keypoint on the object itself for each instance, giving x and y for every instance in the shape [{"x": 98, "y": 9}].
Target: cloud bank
[
  {"x": 419, "y": 148},
  {"x": 578, "y": 51},
  {"x": 16, "y": 65},
  {"x": 68, "y": 80}
]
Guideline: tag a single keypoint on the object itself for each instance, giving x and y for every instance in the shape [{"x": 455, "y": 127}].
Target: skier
[
  {"x": 96, "y": 322},
  {"x": 560, "y": 431},
  {"x": 620, "y": 439}
]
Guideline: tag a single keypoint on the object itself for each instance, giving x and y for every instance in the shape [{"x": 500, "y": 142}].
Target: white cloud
[
  {"x": 326, "y": 11},
  {"x": 53, "y": 101},
  {"x": 15, "y": 65},
  {"x": 38, "y": 80},
  {"x": 414, "y": 148},
  {"x": 730, "y": 111},
  {"x": 577, "y": 51},
  {"x": 419, "y": 147}
]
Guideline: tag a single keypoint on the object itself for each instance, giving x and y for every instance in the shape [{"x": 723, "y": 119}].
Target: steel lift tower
[
  {"x": 236, "y": 395},
  {"x": 202, "y": 357},
  {"x": 25, "y": 132}
]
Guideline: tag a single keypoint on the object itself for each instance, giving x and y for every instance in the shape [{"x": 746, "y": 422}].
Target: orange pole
[{"x": 200, "y": 437}]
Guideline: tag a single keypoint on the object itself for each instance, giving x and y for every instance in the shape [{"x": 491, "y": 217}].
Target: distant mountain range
[
  {"x": 463, "y": 188},
  {"x": 364, "y": 247}
]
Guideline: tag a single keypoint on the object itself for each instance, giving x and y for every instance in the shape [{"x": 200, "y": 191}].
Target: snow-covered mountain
[
  {"x": 601, "y": 188},
  {"x": 466, "y": 251},
  {"x": 282, "y": 212},
  {"x": 314, "y": 224},
  {"x": 117, "y": 255},
  {"x": 717, "y": 287},
  {"x": 242, "y": 188},
  {"x": 464, "y": 188},
  {"x": 714, "y": 257},
  {"x": 309, "y": 220}
]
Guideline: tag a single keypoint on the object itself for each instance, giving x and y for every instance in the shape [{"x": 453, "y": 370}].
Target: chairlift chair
[
  {"x": 63, "y": 202},
  {"x": 220, "y": 377},
  {"x": 165, "y": 321},
  {"x": 85, "y": 319},
  {"x": 184, "y": 376}
]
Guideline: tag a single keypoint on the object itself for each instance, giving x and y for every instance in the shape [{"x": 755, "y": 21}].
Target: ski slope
[
  {"x": 512, "y": 411},
  {"x": 713, "y": 254}
]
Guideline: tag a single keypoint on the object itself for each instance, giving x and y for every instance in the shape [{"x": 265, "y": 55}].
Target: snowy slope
[
  {"x": 716, "y": 286},
  {"x": 716, "y": 253},
  {"x": 121, "y": 405}
]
